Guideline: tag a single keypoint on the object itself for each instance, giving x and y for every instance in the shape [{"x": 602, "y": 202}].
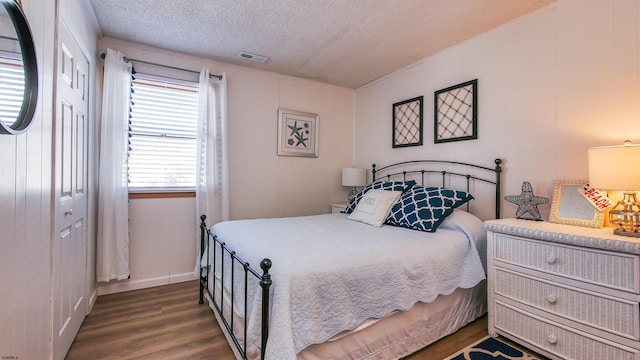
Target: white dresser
[
  {"x": 564, "y": 291},
  {"x": 338, "y": 207}
]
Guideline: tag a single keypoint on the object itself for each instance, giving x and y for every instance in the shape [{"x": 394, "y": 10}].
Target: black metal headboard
[{"x": 411, "y": 169}]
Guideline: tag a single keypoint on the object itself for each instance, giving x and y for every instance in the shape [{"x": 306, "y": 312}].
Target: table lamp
[
  {"x": 354, "y": 177},
  {"x": 617, "y": 168}
]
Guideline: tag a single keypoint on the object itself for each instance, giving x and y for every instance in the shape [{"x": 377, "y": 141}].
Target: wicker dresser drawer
[
  {"x": 610, "y": 269},
  {"x": 583, "y": 306},
  {"x": 556, "y": 339},
  {"x": 564, "y": 291}
]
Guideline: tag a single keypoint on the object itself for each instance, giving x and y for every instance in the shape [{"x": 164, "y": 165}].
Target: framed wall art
[
  {"x": 570, "y": 207},
  {"x": 297, "y": 133},
  {"x": 456, "y": 112},
  {"x": 407, "y": 123}
]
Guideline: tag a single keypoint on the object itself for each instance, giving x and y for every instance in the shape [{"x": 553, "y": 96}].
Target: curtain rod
[{"x": 127, "y": 59}]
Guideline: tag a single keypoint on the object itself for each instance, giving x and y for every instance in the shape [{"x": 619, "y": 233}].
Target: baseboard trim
[
  {"x": 92, "y": 300},
  {"x": 129, "y": 285}
]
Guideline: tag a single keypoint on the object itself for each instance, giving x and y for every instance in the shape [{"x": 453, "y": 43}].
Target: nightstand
[
  {"x": 338, "y": 207},
  {"x": 564, "y": 291}
]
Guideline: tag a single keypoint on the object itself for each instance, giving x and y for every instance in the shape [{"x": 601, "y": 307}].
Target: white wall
[
  {"x": 162, "y": 248},
  {"x": 551, "y": 84},
  {"x": 25, "y": 211},
  {"x": 262, "y": 184},
  {"x": 174, "y": 254}
]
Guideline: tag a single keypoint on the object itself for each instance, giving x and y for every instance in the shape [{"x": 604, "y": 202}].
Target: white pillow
[{"x": 374, "y": 207}]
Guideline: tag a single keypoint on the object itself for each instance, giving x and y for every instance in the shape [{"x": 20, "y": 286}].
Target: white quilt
[{"x": 330, "y": 274}]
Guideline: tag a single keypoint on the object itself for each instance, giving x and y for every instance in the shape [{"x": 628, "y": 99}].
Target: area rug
[{"x": 490, "y": 348}]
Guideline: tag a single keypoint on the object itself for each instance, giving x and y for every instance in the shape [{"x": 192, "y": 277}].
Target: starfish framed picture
[{"x": 297, "y": 133}]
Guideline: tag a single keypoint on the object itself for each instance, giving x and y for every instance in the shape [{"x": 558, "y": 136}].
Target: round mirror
[{"x": 18, "y": 70}]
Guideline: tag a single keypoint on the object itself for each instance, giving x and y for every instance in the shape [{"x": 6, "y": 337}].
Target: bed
[{"x": 343, "y": 286}]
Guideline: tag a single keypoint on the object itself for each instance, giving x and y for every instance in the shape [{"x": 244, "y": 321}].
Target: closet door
[{"x": 70, "y": 171}]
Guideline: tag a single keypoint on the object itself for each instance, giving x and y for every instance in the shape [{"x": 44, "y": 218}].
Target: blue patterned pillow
[
  {"x": 425, "y": 209},
  {"x": 382, "y": 185}
]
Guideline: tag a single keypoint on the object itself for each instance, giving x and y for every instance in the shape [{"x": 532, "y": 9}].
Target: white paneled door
[{"x": 70, "y": 234}]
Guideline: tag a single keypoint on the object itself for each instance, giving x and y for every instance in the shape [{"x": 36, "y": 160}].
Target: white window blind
[
  {"x": 162, "y": 153},
  {"x": 11, "y": 88}
]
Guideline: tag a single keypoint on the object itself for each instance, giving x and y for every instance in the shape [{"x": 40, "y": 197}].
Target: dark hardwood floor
[{"x": 166, "y": 322}]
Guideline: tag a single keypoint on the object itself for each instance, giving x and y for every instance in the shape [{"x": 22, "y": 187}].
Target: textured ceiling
[{"x": 343, "y": 42}]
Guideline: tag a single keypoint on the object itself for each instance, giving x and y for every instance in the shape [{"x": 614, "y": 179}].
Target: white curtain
[
  {"x": 212, "y": 184},
  {"x": 112, "y": 253}
]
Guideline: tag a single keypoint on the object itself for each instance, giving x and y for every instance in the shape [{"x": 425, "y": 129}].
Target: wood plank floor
[{"x": 166, "y": 322}]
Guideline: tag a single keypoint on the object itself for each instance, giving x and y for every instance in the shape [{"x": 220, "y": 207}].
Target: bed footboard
[{"x": 207, "y": 239}]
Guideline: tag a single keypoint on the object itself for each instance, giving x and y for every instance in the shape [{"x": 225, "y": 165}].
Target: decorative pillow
[
  {"x": 374, "y": 206},
  {"x": 425, "y": 209},
  {"x": 382, "y": 185}
]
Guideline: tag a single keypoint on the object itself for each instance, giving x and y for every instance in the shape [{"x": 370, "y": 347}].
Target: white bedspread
[{"x": 330, "y": 274}]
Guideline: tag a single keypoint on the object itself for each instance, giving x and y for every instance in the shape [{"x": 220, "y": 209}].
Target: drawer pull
[
  {"x": 551, "y": 259},
  {"x": 552, "y": 298},
  {"x": 552, "y": 339}
]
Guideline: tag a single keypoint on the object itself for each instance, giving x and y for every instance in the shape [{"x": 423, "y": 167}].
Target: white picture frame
[
  {"x": 570, "y": 207},
  {"x": 297, "y": 133}
]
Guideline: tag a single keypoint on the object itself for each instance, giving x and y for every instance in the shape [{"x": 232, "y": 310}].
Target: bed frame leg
[
  {"x": 203, "y": 234},
  {"x": 265, "y": 283},
  {"x": 498, "y": 171}
]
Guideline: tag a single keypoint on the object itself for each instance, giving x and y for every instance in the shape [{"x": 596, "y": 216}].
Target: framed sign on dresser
[{"x": 567, "y": 292}]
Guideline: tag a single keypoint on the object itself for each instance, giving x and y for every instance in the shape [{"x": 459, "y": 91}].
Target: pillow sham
[
  {"x": 374, "y": 206},
  {"x": 425, "y": 209},
  {"x": 381, "y": 185}
]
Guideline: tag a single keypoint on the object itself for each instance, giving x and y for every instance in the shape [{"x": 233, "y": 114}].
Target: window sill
[{"x": 161, "y": 195}]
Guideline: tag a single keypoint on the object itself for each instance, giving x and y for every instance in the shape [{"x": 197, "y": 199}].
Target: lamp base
[
  {"x": 626, "y": 233},
  {"x": 625, "y": 216},
  {"x": 352, "y": 194}
]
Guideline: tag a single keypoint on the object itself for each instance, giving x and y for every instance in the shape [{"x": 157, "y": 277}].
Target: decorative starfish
[
  {"x": 294, "y": 129},
  {"x": 301, "y": 139},
  {"x": 527, "y": 202}
]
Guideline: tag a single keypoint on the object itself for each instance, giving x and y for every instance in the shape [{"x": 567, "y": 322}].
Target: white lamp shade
[
  {"x": 615, "y": 167},
  {"x": 354, "y": 177}
]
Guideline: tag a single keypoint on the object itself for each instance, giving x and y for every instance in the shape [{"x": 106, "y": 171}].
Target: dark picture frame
[
  {"x": 13, "y": 11},
  {"x": 455, "y": 115},
  {"x": 407, "y": 122}
]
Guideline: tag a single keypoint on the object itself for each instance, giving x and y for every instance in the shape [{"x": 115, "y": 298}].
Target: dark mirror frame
[{"x": 30, "y": 96}]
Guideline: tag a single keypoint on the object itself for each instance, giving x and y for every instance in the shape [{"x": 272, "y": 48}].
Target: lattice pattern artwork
[
  {"x": 456, "y": 112},
  {"x": 407, "y": 122}
]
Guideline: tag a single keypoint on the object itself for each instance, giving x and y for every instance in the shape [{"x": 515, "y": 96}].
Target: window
[
  {"x": 162, "y": 154},
  {"x": 11, "y": 87}
]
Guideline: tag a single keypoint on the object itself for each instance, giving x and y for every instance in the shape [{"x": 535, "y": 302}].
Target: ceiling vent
[{"x": 253, "y": 57}]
